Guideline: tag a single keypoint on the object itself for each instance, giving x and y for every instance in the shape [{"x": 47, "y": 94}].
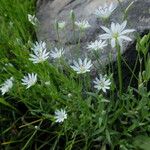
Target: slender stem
[
  {"x": 79, "y": 40},
  {"x": 145, "y": 61},
  {"x": 58, "y": 36},
  {"x": 73, "y": 27},
  {"x": 106, "y": 21},
  {"x": 119, "y": 67},
  {"x": 127, "y": 9},
  {"x": 110, "y": 63},
  {"x": 31, "y": 123},
  {"x": 58, "y": 33},
  {"x": 29, "y": 140},
  {"x": 145, "y": 65},
  {"x": 133, "y": 72}
]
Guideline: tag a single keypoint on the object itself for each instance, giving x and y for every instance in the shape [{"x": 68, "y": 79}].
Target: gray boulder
[{"x": 50, "y": 10}]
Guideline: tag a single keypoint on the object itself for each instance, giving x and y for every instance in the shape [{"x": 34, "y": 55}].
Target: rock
[{"x": 50, "y": 10}]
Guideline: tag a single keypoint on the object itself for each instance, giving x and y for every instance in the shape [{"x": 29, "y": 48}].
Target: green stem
[
  {"x": 73, "y": 27},
  {"x": 133, "y": 72},
  {"x": 145, "y": 61},
  {"x": 110, "y": 63},
  {"x": 58, "y": 36},
  {"x": 106, "y": 21},
  {"x": 27, "y": 144},
  {"x": 119, "y": 67},
  {"x": 79, "y": 40}
]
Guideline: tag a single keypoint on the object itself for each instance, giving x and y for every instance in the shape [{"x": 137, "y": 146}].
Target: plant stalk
[{"x": 119, "y": 67}]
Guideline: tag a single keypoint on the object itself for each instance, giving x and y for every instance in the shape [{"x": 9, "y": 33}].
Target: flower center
[
  {"x": 82, "y": 68},
  {"x": 101, "y": 84},
  {"x": 115, "y": 35}
]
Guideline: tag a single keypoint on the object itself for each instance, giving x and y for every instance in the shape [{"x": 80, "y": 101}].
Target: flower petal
[
  {"x": 127, "y": 31},
  {"x": 113, "y": 43},
  {"x": 125, "y": 38},
  {"x": 105, "y": 36},
  {"x": 105, "y": 29}
]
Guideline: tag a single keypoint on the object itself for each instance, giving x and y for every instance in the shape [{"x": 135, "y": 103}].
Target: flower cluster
[
  {"x": 40, "y": 53},
  {"x": 116, "y": 34}
]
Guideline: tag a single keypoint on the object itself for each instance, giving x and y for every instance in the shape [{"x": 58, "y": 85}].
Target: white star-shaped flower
[
  {"x": 84, "y": 24},
  {"x": 57, "y": 53},
  {"x": 29, "y": 80},
  {"x": 6, "y": 86},
  {"x": 40, "y": 53},
  {"x": 105, "y": 10},
  {"x": 97, "y": 45},
  {"x": 32, "y": 19},
  {"x": 102, "y": 83},
  {"x": 117, "y": 33},
  {"x": 82, "y": 66},
  {"x": 60, "y": 115}
]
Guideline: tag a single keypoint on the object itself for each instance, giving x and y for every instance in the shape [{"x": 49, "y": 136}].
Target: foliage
[{"x": 95, "y": 119}]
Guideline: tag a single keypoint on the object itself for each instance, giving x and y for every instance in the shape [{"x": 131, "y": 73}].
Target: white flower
[
  {"x": 81, "y": 66},
  {"x": 102, "y": 83},
  {"x": 29, "y": 80},
  {"x": 39, "y": 46},
  {"x": 40, "y": 54},
  {"x": 32, "y": 19},
  {"x": 105, "y": 10},
  {"x": 6, "y": 86},
  {"x": 57, "y": 53},
  {"x": 61, "y": 25},
  {"x": 97, "y": 45},
  {"x": 60, "y": 115},
  {"x": 82, "y": 24},
  {"x": 117, "y": 33}
]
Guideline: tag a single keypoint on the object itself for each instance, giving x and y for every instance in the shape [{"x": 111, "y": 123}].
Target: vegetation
[{"x": 62, "y": 106}]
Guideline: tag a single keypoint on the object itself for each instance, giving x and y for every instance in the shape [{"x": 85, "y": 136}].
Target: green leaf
[
  {"x": 143, "y": 44},
  {"x": 108, "y": 136},
  {"x": 142, "y": 142},
  {"x": 2, "y": 101},
  {"x": 147, "y": 71}
]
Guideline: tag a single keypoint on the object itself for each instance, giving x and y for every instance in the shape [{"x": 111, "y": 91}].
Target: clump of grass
[{"x": 48, "y": 103}]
